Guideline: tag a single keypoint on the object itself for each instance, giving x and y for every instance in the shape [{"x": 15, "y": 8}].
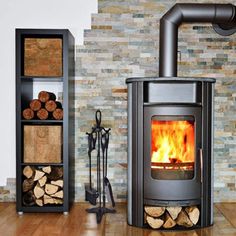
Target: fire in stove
[{"x": 172, "y": 149}]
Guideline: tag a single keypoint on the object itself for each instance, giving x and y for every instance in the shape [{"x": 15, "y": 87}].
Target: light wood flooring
[{"x": 78, "y": 222}]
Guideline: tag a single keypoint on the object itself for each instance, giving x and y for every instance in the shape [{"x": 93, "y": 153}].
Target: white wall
[{"x": 74, "y": 15}]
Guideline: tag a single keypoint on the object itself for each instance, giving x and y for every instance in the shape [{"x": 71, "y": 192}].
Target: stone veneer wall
[{"x": 123, "y": 42}]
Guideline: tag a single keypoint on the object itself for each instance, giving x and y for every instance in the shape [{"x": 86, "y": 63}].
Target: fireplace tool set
[{"x": 98, "y": 139}]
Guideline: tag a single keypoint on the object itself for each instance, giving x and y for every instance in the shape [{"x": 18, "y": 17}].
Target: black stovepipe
[{"x": 222, "y": 16}]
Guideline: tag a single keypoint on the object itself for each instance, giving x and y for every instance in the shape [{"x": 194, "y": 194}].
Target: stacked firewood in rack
[
  {"x": 42, "y": 185},
  {"x": 44, "y": 108},
  {"x": 169, "y": 217}
]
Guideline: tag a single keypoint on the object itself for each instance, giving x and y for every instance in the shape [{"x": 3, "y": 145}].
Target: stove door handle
[{"x": 201, "y": 163}]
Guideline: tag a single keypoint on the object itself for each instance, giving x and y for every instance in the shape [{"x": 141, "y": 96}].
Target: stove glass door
[
  {"x": 172, "y": 152},
  {"x": 172, "y": 147}
]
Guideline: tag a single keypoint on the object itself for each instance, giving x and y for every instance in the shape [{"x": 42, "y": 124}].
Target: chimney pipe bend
[{"x": 222, "y": 16}]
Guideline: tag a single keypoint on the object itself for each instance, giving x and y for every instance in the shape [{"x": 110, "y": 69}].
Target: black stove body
[{"x": 169, "y": 99}]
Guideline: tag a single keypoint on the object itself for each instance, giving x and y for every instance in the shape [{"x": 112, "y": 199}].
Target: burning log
[
  {"x": 154, "y": 211},
  {"x": 169, "y": 222},
  {"x": 183, "y": 219},
  {"x": 28, "y": 171},
  {"x": 174, "y": 211},
  {"x": 193, "y": 213},
  {"x": 154, "y": 223}
]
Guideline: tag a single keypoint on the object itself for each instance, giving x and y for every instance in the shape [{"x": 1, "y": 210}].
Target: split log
[
  {"x": 35, "y": 105},
  {"x": 193, "y": 213},
  {"x": 42, "y": 114},
  {"x": 58, "y": 183},
  {"x": 28, "y": 171},
  {"x": 28, "y": 198},
  {"x": 38, "y": 191},
  {"x": 56, "y": 173},
  {"x": 154, "y": 211},
  {"x": 51, "y": 189},
  {"x": 47, "y": 199},
  {"x": 169, "y": 222},
  {"x": 47, "y": 169},
  {"x": 28, "y": 114},
  {"x": 50, "y": 105},
  {"x": 57, "y": 201},
  {"x": 154, "y": 223},
  {"x": 44, "y": 96},
  {"x": 39, "y": 202},
  {"x": 58, "y": 194},
  {"x": 58, "y": 114},
  {"x": 38, "y": 175},
  {"x": 174, "y": 211},
  {"x": 183, "y": 219},
  {"x": 42, "y": 181},
  {"x": 28, "y": 184}
]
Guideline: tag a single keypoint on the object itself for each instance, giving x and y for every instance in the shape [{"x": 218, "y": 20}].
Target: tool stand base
[{"x": 100, "y": 211}]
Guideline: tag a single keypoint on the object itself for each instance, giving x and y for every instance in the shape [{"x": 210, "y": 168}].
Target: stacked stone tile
[
  {"x": 124, "y": 42},
  {"x": 8, "y": 192}
]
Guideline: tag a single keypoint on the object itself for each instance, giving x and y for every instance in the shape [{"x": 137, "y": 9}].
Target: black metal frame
[
  {"x": 140, "y": 191},
  {"x": 24, "y": 93}
]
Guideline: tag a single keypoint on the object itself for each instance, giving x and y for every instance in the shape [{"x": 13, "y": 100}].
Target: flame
[{"x": 172, "y": 141}]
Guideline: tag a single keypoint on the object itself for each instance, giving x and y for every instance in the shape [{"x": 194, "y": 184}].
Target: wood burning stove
[
  {"x": 170, "y": 145},
  {"x": 170, "y": 128}
]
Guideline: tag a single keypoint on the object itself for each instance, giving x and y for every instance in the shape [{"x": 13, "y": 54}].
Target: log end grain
[
  {"x": 58, "y": 114},
  {"x": 35, "y": 105},
  {"x": 42, "y": 114},
  {"x": 28, "y": 114}
]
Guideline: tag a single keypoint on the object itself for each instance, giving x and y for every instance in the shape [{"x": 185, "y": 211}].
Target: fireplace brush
[{"x": 98, "y": 140}]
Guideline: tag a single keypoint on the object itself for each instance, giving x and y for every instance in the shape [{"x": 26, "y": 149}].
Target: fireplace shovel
[
  {"x": 108, "y": 188},
  {"x": 91, "y": 194}
]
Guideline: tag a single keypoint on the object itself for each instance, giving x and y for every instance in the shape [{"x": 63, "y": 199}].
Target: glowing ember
[{"x": 172, "y": 142}]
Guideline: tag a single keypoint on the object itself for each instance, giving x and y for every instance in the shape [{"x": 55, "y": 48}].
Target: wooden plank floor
[{"x": 78, "y": 222}]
